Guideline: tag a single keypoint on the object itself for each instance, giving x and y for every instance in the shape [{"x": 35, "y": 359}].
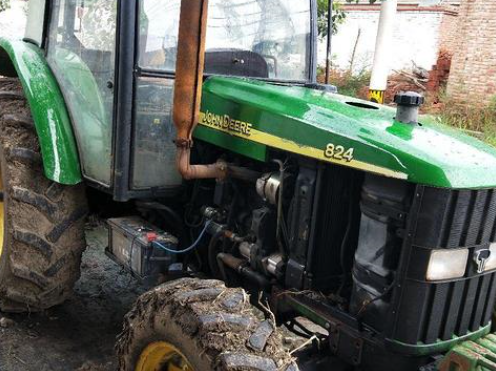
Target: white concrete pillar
[{"x": 383, "y": 50}]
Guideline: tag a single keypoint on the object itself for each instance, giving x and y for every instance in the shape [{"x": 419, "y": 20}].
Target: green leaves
[
  {"x": 338, "y": 15},
  {"x": 4, "y": 4}
]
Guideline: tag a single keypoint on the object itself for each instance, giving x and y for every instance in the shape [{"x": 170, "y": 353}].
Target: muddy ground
[{"x": 80, "y": 334}]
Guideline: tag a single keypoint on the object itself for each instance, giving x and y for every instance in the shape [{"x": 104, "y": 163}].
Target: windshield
[{"x": 255, "y": 38}]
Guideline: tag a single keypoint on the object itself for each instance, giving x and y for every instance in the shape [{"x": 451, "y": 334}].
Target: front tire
[
  {"x": 42, "y": 222},
  {"x": 199, "y": 325}
]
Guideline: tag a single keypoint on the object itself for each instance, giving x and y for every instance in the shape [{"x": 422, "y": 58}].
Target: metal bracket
[
  {"x": 334, "y": 332},
  {"x": 352, "y": 354}
]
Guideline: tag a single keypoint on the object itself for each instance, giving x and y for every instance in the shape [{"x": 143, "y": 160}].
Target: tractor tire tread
[
  {"x": 65, "y": 224},
  {"x": 34, "y": 242},
  {"x": 19, "y": 120},
  {"x": 44, "y": 220},
  {"x": 34, "y": 199},
  {"x": 221, "y": 332},
  {"x": 11, "y": 95},
  {"x": 24, "y": 156}
]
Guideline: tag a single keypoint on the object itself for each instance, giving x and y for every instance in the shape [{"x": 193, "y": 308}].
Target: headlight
[{"x": 447, "y": 264}]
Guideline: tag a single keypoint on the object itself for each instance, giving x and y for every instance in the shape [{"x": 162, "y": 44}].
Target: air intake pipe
[{"x": 188, "y": 88}]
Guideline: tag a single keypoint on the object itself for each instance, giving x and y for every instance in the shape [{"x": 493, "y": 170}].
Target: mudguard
[{"x": 50, "y": 115}]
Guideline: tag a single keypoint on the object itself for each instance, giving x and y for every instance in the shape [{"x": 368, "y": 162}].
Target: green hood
[{"x": 249, "y": 117}]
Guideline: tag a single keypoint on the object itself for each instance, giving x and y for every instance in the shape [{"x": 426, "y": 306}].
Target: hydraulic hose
[
  {"x": 184, "y": 251},
  {"x": 241, "y": 267},
  {"x": 212, "y": 253}
]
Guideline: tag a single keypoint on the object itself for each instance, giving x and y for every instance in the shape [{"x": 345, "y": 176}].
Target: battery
[{"x": 130, "y": 245}]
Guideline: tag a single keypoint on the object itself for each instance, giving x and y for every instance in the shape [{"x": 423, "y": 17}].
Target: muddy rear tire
[
  {"x": 43, "y": 221},
  {"x": 213, "y": 327}
]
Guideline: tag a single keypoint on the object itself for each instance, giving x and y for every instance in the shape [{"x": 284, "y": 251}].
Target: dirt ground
[{"x": 80, "y": 334}]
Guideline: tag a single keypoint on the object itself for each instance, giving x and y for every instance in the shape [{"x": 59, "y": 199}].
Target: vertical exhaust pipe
[{"x": 188, "y": 88}]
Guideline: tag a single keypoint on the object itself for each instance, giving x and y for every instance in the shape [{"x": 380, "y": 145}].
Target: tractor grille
[
  {"x": 428, "y": 312},
  {"x": 432, "y": 312},
  {"x": 453, "y": 219}
]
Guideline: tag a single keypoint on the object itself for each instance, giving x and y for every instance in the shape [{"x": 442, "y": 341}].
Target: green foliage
[
  {"x": 4, "y": 4},
  {"x": 338, "y": 15},
  {"x": 477, "y": 120},
  {"x": 352, "y": 85}
]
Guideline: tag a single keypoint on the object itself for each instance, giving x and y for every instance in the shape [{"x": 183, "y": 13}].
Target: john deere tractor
[{"x": 279, "y": 225}]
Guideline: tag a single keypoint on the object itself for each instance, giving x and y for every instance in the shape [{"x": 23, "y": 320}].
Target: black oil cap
[{"x": 409, "y": 98}]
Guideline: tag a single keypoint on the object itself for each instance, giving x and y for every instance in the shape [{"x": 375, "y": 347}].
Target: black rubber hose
[
  {"x": 240, "y": 267},
  {"x": 212, "y": 254},
  {"x": 342, "y": 252},
  {"x": 169, "y": 215},
  {"x": 163, "y": 209}
]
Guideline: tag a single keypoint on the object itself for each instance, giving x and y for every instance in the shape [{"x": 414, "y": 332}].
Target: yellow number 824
[{"x": 340, "y": 153}]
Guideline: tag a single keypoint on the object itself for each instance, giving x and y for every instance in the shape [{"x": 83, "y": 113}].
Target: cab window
[
  {"x": 250, "y": 38},
  {"x": 81, "y": 53}
]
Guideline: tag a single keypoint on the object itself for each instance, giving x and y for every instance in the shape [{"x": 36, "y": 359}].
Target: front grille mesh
[
  {"x": 452, "y": 219},
  {"x": 432, "y": 312},
  {"x": 458, "y": 308},
  {"x": 429, "y": 312}
]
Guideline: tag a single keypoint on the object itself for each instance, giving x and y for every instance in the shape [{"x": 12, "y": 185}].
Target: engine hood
[{"x": 249, "y": 117}]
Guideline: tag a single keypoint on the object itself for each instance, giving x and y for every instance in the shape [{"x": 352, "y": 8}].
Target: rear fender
[{"x": 53, "y": 126}]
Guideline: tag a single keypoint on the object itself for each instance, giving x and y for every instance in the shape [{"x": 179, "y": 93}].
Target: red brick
[{"x": 473, "y": 76}]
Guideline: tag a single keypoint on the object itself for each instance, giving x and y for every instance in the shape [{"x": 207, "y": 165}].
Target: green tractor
[{"x": 303, "y": 230}]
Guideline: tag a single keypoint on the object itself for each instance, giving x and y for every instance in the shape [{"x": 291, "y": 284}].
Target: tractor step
[{"x": 478, "y": 355}]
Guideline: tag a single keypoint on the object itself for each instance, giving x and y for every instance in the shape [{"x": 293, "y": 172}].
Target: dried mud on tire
[
  {"x": 215, "y": 327},
  {"x": 44, "y": 221},
  {"x": 80, "y": 334}
]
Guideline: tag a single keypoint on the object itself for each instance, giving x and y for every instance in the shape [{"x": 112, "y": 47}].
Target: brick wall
[
  {"x": 473, "y": 71},
  {"x": 448, "y": 39}
]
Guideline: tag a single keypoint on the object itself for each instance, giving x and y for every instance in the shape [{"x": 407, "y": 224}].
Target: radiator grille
[
  {"x": 429, "y": 312},
  {"x": 452, "y": 219},
  {"x": 433, "y": 312}
]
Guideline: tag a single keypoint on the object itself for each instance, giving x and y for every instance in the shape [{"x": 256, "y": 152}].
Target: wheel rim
[{"x": 163, "y": 356}]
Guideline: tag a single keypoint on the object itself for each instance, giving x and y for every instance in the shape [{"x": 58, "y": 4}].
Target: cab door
[
  {"x": 153, "y": 150},
  {"x": 144, "y": 149}
]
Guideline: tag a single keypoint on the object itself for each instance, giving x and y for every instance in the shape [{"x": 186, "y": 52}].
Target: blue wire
[{"x": 192, "y": 247}]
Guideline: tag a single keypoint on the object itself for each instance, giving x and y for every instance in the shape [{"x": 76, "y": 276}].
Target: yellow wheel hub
[{"x": 162, "y": 356}]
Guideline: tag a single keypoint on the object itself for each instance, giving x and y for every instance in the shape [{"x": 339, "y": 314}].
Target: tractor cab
[{"x": 118, "y": 77}]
